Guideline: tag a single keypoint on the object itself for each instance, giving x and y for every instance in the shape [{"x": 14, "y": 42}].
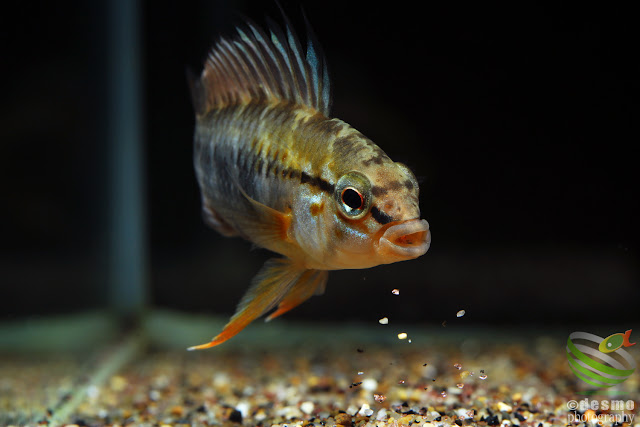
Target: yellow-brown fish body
[{"x": 274, "y": 169}]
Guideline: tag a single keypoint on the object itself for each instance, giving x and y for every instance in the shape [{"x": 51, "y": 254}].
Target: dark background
[{"x": 520, "y": 120}]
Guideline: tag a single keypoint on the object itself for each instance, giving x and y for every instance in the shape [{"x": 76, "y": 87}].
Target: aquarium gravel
[{"x": 446, "y": 377}]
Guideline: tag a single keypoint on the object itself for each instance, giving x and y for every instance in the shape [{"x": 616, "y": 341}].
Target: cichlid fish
[{"x": 274, "y": 168}]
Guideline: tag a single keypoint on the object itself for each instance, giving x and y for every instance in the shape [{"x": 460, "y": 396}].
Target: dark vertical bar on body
[{"x": 128, "y": 237}]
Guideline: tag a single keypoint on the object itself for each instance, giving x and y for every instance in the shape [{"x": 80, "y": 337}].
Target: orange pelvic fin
[
  {"x": 312, "y": 282},
  {"x": 270, "y": 285}
]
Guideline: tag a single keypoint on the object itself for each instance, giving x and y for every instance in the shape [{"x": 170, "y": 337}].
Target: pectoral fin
[
  {"x": 265, "y": 226},
  {"x": 270, "y": 285}
]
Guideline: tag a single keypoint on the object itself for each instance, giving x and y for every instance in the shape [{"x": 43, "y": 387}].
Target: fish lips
[{"x": 405, "y": 240}]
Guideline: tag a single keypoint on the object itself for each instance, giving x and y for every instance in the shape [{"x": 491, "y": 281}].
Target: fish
[
  {"x": 616, "y": 341},
  {"x": 273, "y": 167}
]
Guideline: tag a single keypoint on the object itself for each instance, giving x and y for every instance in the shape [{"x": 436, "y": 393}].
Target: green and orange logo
[{"x": 600, "y": 362}]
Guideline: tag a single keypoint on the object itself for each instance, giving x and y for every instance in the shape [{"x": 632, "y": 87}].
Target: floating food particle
[
  {"x": 443, "y": 393},
  {"x": 465, "y": 374},
  {"x": 424, "y": 364},
  {"x": 369, "y": 384},
  {"x": 360, "y": 372},
  {"x": 444, "y": 324},
  {"x": 396, "y": 291},
  {"x": 402, "y": 335},
  {"x": 359, "y": 350},
  {"x": 457, "y": 366},
  {"x": 483, "y": 377},
  {"x": 460, "y": 313},
  {"x": 401, "y": 382},
  {"x": 383, "y": 321},
  {"x": 355, "y": 384},
  {"x": 379, "y": 398},
  {"x": 460, "y": 385}
]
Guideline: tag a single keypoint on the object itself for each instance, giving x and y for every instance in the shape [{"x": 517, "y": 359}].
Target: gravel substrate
[{"x": 322, "y": 380}]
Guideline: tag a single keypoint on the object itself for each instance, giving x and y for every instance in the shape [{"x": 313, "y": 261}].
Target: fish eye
[
  {"x": 353, "y": 195},
  {"x": 352, "y": 198}
]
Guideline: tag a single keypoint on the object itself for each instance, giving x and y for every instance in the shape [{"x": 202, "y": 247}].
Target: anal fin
[{"x": 273, "y": 282}]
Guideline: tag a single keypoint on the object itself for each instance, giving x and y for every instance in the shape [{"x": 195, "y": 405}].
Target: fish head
[{"x": 377, "y": 218}]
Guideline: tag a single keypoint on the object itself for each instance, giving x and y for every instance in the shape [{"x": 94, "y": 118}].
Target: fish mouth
[{"x": 407, "y": 239}]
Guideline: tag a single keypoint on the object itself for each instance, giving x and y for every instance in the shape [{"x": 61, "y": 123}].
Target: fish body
[{"x": 274, "y": 168}]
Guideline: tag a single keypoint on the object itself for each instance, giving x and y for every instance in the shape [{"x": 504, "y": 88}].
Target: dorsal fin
[{"x": 256, "y": 65}]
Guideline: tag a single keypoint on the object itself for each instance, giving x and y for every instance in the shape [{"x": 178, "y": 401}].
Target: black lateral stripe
[
  {"x": 380, "y": 216},
  {"x": 305, "y": 178}
]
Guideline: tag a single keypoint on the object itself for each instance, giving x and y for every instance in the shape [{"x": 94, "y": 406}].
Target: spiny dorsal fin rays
[
  {"x": 319, "y": 69},
  {"x": 254, "y": 66},
  {"x": 303, "y": 67},
  {"x": 297, "y": 84}
]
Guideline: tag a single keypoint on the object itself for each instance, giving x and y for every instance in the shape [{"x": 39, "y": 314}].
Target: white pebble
[
  {"x": 289, "y": 412},
  {"x": 369, "y": 384},
  {"x": 384, "y": 321},
  {"x": 243, "y": 408},
  {"x": 464, "y": 413},
  {"x": 381, "y": 415},
  {"x": 307, "y": 407},
  {"x": 503, "y": 407},
  {"x": 460, "y": 313},
  {"x": 352, "y": 410},
  {"x": 365, "y": 410}
]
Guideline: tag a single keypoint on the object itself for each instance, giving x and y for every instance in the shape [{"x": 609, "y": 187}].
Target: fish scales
[{"x": 274, "y": 168}]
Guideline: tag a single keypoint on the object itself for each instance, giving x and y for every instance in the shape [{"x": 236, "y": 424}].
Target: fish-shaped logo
[
  {"x": 615, "y": 341},
  {"x": 275, "y": 169},
  {"x": 590, "y": 360}
]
